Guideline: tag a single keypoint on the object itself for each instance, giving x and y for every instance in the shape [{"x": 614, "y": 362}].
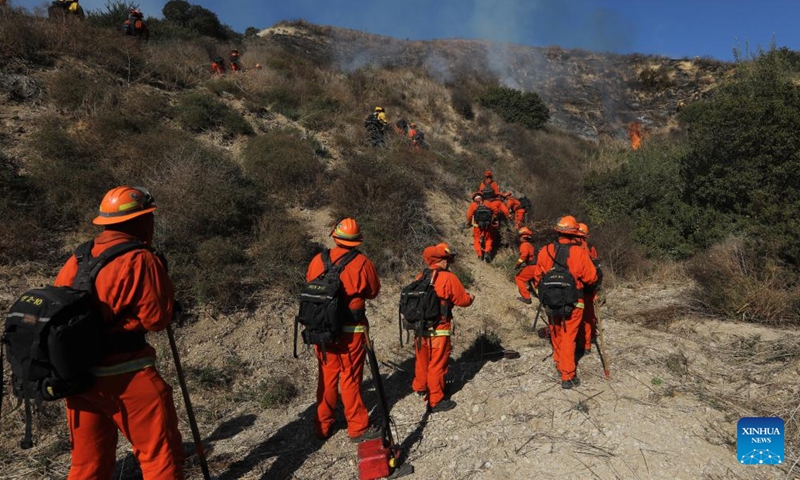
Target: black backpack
[
  {"x": 53, "y": 336},
  {"x": 483, "y": 216},
  {"x": 320, "y": 310},
  {"x": 372, "y": 121},
  {"x": 557, "y": 290},
  {"x": 525, "y": 204},
  {"x": 420, "y": 307}
]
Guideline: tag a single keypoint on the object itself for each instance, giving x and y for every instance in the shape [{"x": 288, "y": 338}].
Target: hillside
[{"x": 679, "y": 380}]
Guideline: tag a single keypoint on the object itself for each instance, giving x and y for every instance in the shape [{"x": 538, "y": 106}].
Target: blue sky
[{"x": 673, "y": 28}]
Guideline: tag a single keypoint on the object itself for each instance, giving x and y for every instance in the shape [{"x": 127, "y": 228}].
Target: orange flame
[{"x": 635, "y": 134}]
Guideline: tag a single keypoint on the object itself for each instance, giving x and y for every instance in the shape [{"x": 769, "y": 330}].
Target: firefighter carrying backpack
[
  {"x": 53, "y": 336},
  {"x": 321, "y": 312},
  {"x": 557, "y": 289},
  {"x": 420, "y": 306},
  {"x": 483, "y": 216}
]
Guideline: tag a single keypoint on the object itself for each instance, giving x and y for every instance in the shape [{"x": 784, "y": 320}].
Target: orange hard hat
[
  {"x": 437, "y": 253},
  {"x": 124, "y": 203},
  {"x": 584, "y": 229},
  {"x": 487, "y": 173},
  {"x": 346, "y": 233},
  {"x": 567, "y": 225},
  {"x": 525, "y": 232}
]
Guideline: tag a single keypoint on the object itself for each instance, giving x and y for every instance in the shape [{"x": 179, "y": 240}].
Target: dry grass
[{"x": 735, "y": 281}]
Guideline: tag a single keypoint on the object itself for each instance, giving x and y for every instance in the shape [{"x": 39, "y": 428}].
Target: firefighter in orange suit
[
  {"x": 433, "y": 348},
  {"x": 482, "y": 238},
  {"x": 136, "y": 296},
  {"x": 341, "y": 365},
  {"x": 564, "y": 329},
  {"x": 589, "y": 294},
  {"x": 489, "y": 183},
  {"x": 526, "y": 264},
  {"x": 514, "y": 206}
]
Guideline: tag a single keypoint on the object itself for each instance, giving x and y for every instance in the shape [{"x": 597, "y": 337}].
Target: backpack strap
[
  {"x": 562, "y": 254},
  {"x": 89, "y": 267}
]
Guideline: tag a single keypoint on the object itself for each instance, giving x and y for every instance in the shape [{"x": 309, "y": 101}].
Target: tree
[{"x": 745, "y": 151}]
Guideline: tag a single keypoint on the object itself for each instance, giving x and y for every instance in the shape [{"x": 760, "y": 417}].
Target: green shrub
[
  {"x": 220, "y": 276},
  {"x": 198, "y": 112},
  {"x": 70, "y": 178},
  {"x": 284, "y": 166},
  {"x": 281, "y": 250},
  {"x": 23, "y": 236},
  {"x": 514, "y": 106},
  {"x": 200, "y": 195},
  {"x": 743, "y": 154},
  {"x": 111, "y": 16},
  {"x": 77, "y": 91},
  {"x": 388, "y": 201}
]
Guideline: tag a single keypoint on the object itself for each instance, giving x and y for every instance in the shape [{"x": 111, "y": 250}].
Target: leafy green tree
[
  {"x": 745, "y": 151},
  {"x": 514, "y": 106}
]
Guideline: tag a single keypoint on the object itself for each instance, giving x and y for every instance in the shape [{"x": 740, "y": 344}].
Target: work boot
[
  {"x": 572, "y": 382},
  {"x": 372, "y": 432},
  {"x": 443, "y": 406},
  {"x": 526, "y": 301}
]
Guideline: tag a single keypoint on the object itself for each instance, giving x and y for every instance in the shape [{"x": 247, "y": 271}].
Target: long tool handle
[
  {"x": 538, "y": 312},
  {"x": 198, "y": 443},
  {"x": 601, "y": 348},
  {"x": 376, "y": 377}
]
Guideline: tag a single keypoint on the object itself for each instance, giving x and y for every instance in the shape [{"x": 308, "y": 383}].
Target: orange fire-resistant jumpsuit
[
  {"x": 341, "y": 366},
  {"x": 433, "y": 349},
  {"x": 527, "y": 258},
  {"x": 128, "y": 395},
  {"x": 500, "y": 212},
  {"x": 480, "y": 235},
  {"x": 515, "y": 207},
  {"x": 489, "y": 183},
  {"x": 563, "y": 331},
  {"x": 589, "y": 297}
]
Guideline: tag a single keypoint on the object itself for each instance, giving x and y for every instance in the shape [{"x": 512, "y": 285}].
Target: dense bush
[
  {"x": 198, "y": 112},
  {"x": 284, "y": 166},
  {"x": 745, "y": 152},
  {"x": 514, "y": 106},
  {"x": 281, "y": 250},
  {"x": 655, "y": 78},
  {"x": 388, "y": 201},
  {"x": 79, "y": 92},
  {"x": 648, "y": 189},
  {"x": 69, "y": 176},
  {"x": 735, "y": 280}
]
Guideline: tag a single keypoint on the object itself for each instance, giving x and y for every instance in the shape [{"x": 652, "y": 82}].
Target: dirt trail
[{"x": 669, "y": 410}]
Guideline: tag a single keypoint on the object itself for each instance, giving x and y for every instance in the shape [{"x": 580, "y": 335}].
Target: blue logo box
[{"x": 760, "y": 440}]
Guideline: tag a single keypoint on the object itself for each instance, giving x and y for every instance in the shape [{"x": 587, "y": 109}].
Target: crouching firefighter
[
  {"x": 135, "y": 295},
  {"x": 332, "y": 310},
  {"x": 563, "y": 270},
  {"x": 432, "y": 344},
  {"x": 525, "y": 266}
]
